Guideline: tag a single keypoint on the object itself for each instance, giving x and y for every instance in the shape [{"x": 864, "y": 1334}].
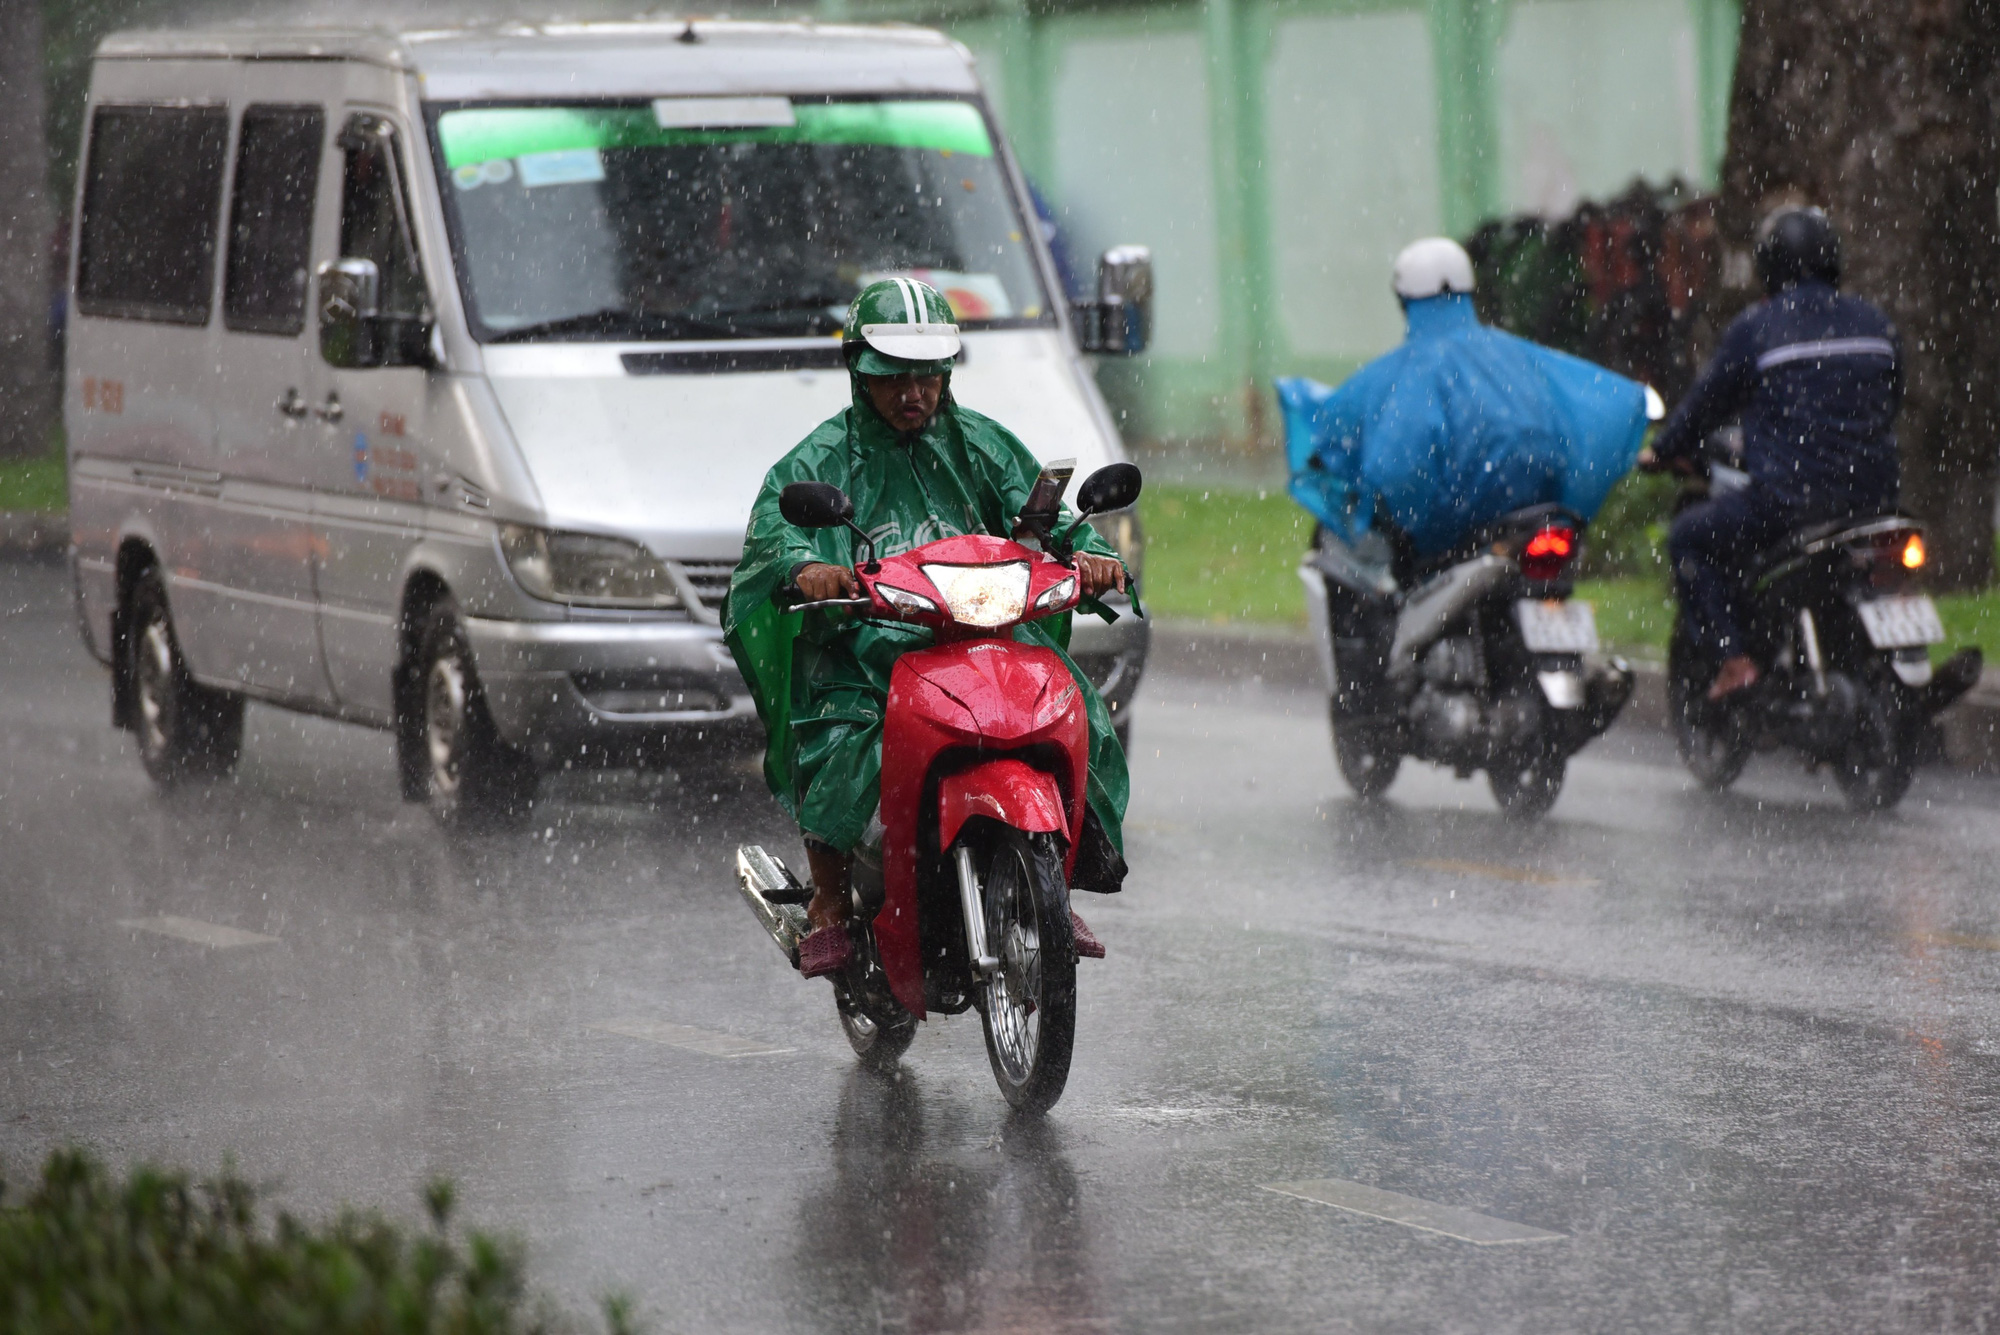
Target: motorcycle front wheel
[
  {"x": 1028, "y": 1004},
  {"x": 1366, "y": 754},
  {"x": 1704, "y": 733}
]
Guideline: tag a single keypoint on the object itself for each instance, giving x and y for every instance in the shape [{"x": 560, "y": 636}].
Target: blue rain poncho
[{"x": 1457, "y": 427}]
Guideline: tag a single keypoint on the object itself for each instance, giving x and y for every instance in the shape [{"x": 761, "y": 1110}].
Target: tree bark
[
  {"x": 1885, "y": 115},
  {"x": 27, "y": 227}
]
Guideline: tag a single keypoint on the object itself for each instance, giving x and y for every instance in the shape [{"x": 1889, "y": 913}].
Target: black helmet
[{"x": 1797, "y": 245}]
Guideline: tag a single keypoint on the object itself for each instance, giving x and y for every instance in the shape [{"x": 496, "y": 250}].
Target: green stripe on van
[{"x": 478, "y": 134}]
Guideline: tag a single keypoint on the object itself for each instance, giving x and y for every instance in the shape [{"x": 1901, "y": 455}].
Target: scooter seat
[{"x": 1815, "y": 537}]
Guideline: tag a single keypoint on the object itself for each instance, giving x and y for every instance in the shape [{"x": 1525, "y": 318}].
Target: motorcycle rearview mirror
[
  {"x": 815, "y": 505},
  {"x": 823, "y": 505},
  {"x": 1112, "y": 487}
]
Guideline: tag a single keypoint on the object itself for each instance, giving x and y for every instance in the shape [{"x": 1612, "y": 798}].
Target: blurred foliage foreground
[
  {"x": 1231, "y": 558},
  {"x": 162, "y": 1254}
]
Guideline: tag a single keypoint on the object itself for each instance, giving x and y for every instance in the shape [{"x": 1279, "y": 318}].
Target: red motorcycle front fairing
[{"x": 996, "y": 699}]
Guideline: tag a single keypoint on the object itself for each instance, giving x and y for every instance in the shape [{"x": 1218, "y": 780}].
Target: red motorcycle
[{"x": 985, "y": 764}]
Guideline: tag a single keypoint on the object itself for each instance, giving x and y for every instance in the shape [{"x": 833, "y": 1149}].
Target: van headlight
[
  {"x": 586, "y": 569},
  {"x": 1122, "y": 531}
]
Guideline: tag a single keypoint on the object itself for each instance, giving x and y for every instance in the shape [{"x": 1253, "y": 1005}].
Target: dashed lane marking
[
  {"x": 1500, "y": 872},
  {"x": 1464, "y": 1225},
  {"x": 686, "y": 1037},
  {"x": 200, "y": 933},
  {"x": 1959, "y": 939}
]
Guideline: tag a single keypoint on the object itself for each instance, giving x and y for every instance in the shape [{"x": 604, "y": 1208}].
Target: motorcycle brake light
[
  {"x": 1547, "y": 552},
  {"x": 1913, "y": 552}
]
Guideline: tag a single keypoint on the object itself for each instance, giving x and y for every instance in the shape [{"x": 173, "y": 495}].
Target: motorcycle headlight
[
  {"x": 586, "y": 569},
  {"x": 982, "y": 595}
]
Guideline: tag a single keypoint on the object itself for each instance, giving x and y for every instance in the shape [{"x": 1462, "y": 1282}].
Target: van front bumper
[
  {"x": 576, "y": 693},
  {"x": 588, "y": 693}
]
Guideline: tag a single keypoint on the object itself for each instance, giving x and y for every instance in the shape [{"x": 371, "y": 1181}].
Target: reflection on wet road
[{"x": 1740, "y": 1053}]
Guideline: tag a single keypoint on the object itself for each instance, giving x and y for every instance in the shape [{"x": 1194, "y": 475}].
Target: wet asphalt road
[{"x": 1740, "y": 1053}]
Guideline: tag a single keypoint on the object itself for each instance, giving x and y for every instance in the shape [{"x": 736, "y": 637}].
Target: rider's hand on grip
[
  {"x": 819, "y": 582},
  {"x": 1100, "y": 574}
]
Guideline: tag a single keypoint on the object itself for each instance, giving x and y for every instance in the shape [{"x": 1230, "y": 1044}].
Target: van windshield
[{"x": 747, "y": 217}]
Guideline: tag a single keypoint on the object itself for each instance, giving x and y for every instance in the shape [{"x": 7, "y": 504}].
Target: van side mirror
[
  {"x": 1120, "y": 321},
  {"x": 1112, "y": 487},
  {"x": 354, "y": 333},
  {"x": 815, "y": 505}
]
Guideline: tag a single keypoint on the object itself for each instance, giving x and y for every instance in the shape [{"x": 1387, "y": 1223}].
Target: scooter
[
  {"x": 1835, "y": 620},
  {"x": 1478, "y": 658},
  {"x": 985, "y": 767}
]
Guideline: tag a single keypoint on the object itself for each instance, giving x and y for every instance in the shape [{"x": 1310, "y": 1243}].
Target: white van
[{"x": 424, "y": 379}]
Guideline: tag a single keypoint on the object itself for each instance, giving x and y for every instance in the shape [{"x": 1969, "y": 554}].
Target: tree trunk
[
  {"x": 1885, "y": 115},
  {"x": 27, "y": 226}
]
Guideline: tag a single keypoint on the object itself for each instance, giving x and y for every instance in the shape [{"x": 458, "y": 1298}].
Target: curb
[
  {"x": 1284, "y": 657},
  {"x": 34, "y": 533}
]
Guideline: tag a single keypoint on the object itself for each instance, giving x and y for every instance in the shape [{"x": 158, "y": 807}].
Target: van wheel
[
  {"x": 473, "y": 778},
  {"x": 185, "y": 730}
]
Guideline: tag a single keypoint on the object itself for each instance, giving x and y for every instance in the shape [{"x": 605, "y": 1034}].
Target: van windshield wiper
[{"x": 618, "y": 322}]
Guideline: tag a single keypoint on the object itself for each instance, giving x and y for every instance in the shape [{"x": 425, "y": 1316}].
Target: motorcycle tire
[
  {"x": 1527, "y": 789},
  {"x": 879, "y": 1034},
  {"x": 1365, "y": 759},
  {"x": 1710, "y": 746},
  {"x": 1875, "y": 770},
  {"x": 1028, "y": 1007}
]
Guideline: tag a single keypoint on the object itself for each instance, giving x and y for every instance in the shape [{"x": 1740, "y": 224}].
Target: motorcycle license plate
[
  {"x": 1552, "y": 626},
  {"x": 1902, "y": 622}
]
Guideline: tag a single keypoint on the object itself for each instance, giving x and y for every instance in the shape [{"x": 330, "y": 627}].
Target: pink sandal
[
  {"x": 827, "y": 950},
  {"x": 1087, "y": 945}
]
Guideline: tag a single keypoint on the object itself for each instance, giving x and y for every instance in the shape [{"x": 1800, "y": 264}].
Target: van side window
[
  {"x": 270, "y": 219},
  {"x": 375, "y": 215},
  {"x": 152, "y": 190}
]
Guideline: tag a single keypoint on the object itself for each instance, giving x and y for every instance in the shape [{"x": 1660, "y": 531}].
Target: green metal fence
[{"x": 1277, "y": 153}]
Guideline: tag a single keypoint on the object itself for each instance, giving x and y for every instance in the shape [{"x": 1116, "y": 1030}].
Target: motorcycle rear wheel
[
  {"x": 1028, "y": 1007},
  {"x": 1366, "y": 760},
  {"x": 1527, "y": 789},
  {"x": 879, "y": 1034},
  {"x": 1879, "y": 763}
]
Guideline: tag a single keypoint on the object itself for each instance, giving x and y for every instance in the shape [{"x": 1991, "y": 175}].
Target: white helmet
[{"x": 1432, "y": 267}]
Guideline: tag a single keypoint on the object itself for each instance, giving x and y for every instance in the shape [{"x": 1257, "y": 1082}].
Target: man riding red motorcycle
[{"x": 916, "y": 467}]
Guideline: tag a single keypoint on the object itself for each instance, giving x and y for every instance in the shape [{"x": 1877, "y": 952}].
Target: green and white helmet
[{"x": 900, "y": 326}]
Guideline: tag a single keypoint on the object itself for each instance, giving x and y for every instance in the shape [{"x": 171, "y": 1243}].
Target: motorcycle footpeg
[{"x": 775, "y": 897}]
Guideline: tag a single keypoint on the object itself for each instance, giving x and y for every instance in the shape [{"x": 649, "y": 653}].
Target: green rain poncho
[{"x": 821, "y": 678}]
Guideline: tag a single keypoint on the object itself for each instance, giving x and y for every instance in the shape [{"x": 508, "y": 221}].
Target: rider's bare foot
[
  {"x": 1736, "y": 673},
  {"x": 830, "y": 881}
]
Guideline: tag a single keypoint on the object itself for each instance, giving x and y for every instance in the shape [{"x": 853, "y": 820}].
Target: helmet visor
[{"x": 871, "y": 361}]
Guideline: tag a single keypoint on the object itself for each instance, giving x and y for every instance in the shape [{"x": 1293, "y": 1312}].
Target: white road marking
[
  {"x": 1499, "y": 872},
  {"x": 200, "y": 933},
  {"x": 705, "y": 1041},
  {"x": 1465, "y": 1225}
]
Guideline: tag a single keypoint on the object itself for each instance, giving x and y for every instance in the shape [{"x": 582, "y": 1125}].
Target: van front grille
[{"x": 710, "y": 580}]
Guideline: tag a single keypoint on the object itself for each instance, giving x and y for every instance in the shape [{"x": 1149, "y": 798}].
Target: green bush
[
  {"x": 1628, "y": 539},
  {"x": 35, "y": 483},
  {"x": 160, "y": 1253}
]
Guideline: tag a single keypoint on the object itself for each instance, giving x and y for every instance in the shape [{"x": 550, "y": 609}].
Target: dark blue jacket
[{"x": 1816, "y": 379}]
